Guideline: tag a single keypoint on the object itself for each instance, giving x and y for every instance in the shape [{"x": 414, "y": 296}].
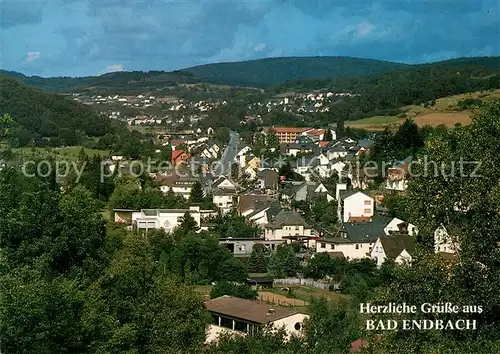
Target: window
[
  {"x": 323, "y": 245},
  {"x": 357, "y": 247},
  {"x": 297, "y": 326},
  {"x": 368, "y": 202},
  {"x": 296, "y": 227},
  {"x": 368, "y": 211},
  {"x": 179, "y": 219},
  {"x": 332, "y": 247}
]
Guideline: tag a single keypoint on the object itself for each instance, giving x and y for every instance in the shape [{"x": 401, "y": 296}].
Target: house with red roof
[{"x": 180, "y": 157}]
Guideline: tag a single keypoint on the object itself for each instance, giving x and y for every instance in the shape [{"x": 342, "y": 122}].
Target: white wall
[
  {"x": 184, "y": 191},
  {"x": 288, "y": 323},
  {"x": 354, "y": 206},
  {"x": 403, "y": 258},
  {"x": 350, "y": 250},
  {"x": 378, "y": 253},
  {"x": 393, "y": 226},
  {"x": 223, "y": 202},
  {"x": 166, "y": 219}
]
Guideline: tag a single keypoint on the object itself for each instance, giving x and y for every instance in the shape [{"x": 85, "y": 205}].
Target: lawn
[{"x": 307, "y": 293}]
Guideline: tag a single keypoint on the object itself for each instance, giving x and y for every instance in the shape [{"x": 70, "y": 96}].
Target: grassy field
[{"x": 443, "y": 112}]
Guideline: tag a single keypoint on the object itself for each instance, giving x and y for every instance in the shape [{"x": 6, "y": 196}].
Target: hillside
[
  {"x": 273, "y": 71},
  {"x": 446, "y": 111},
  {"x": 38, "y": 115},
  {"x": 122, "y": 82},
  {"x": 301, "y": 73}
]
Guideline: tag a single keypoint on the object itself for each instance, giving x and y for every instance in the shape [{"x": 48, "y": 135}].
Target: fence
[{"x": 306, "y": 282}]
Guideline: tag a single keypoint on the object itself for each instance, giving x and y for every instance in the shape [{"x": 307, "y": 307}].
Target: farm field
[{"x": 443, "y": 112}]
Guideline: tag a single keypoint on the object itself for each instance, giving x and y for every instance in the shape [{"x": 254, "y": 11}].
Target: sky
[{"x": 92, "y": 37}]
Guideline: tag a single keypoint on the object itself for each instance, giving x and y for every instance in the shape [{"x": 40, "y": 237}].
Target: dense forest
[
  {"x": 72, "y": 283},
  {"x": 273, "y": 71},
  {"x": 263, "y": 73},
  {"x": 47, "y": 119}
]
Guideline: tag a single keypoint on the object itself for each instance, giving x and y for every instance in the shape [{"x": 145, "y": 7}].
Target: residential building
[
  {"x": 179, "y": 157},
  {"x": 264, "y": 213},
  {"x": 289, "y": 225},
  {"x": 242, "y": 247},
  {"x": 355, "y": 205},
  {"x": 336, "y": 151},
  {"x": 315, "y": 134},
  {"x": 397, "y": 176},
  {"x": 396, "y": 247},
  {"x": 167, "y": 219},
  {"x": 248, "y": 203},
  {"x": 268, "y": 179},
  {"x": 357, "y": 239},
  {"x": 237, "y": 316},
  {"x": 224, "y": 199},
  {"x": 180, "y": 185},
  {"x": 286, "y": 134},
  {"x": 310, "y": 190}
]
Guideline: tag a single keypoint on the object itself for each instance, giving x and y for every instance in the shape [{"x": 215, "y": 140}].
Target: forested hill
[
  {"x": 311, "y": 72},
  {"x": 38, "y": 114},
  {"x": 253, "y": 73},
  {"x": 414, "y": 85},
  {"x": 118, "y": 82},
  {"x": 273, "y": 71}
]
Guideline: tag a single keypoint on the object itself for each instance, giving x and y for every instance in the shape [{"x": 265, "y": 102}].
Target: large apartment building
[{"x": 291, "y": 134}]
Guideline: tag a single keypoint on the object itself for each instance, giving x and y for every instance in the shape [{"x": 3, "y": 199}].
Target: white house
[
  {"x": 357, "y": 239},
  {"x": 264, "y": 214},
  {"x": 166, "y": 219},
  {"x": 180, "y": 185},
  {"x": 242, "y": 153},
  {"x": 355, "y": 205},
  {"x": 224, "y": 199},
  {"x": 350, "y": 249},
  {"x": 224, "y": 183},
  {"x": 397, "y": 247},
  {"x": 337, "y": 151},
  {"x": 237, "y": 316},
  {"x": 289, "y": 225}
]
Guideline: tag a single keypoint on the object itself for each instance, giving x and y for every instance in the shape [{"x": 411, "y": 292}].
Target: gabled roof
[
  {"x": 308, "y": 161},
  {"x": 367, "y": 231},
  {"x": 287, "y": 218},
  {"x": 220, "y": 180},
  {"x": 224, "y": 191},
  {"x": 291, "y": 189},
  {"x": 249, "y": 201},
  {"x": 347, "y": 194},
  {"x": 177, "y": 153},
  {"x": 337, "y": 148},
  {"x": 249, "y": 310},
  {"x": 395, "y": 244},
  {"x": 267, "y": 174},
  {"x": 365, "y": 143}
]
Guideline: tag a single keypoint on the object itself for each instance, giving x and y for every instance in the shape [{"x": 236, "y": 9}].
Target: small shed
[{"x": 264, "y": 282}]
